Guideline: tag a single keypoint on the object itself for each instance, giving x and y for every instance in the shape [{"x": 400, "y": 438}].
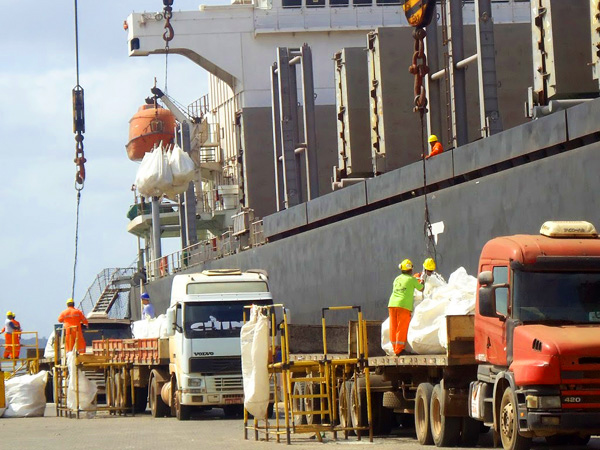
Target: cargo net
[{"x": 109, "y": 293}]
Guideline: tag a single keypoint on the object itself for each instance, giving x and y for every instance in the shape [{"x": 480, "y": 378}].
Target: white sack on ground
[
  {"x": 26, "y": 396},
  {"x": 427, "y": 330},
  {"x": 87, "y": 389},
  {"x": 150, "y": 328},
  {"x": 254, "y": 337}
]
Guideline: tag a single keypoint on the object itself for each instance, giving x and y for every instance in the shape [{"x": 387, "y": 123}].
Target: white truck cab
[{"x": 205, "y": 317}]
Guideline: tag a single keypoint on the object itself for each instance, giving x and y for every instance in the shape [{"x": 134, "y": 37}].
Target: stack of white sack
[
  {"x": 26, "y": 395},
  {"x": 150, "y": 328},
  {"x": 427, "y": 334}
]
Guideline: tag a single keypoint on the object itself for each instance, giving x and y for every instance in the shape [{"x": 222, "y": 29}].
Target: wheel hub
[{"x": 507, "y": 422}]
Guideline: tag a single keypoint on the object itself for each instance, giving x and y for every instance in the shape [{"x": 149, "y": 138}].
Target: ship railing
[
  {"x": 180, "y": 260},
  {"x": 198, "y": 108}
]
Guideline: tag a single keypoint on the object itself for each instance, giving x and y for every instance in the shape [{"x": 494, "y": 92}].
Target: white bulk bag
[
  {"x": 145, "y": 177},
  {"x": 87, "y": 389},
  {"x": 164, "y": 176},
  {"x": 150, "y": 328},
  {"x": 386, "y": 344},
  {"x": 26, "y": 396},
  {"x": 182, "y": 167},
  {"x": 254, "y": 337}
]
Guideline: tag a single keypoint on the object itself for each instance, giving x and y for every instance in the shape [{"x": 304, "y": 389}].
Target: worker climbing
[
  {"x": 436, "y": 146},
  {"x": 401, "y": 304},
  {"x": 12, "y": 337},
  {"x": 72, "y": 320}
]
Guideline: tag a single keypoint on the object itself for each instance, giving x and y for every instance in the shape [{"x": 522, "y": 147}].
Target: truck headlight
[
  {"x": 195, "y": 382},
  {"x": 543, "y": 402}
]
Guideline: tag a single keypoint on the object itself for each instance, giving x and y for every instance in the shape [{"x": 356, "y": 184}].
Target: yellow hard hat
[
  {"x": 433, "y": 138},
  {"x": 406, "y": 265},
  {"x": 10, "y": 314},
  {"x": 429, "y": 264},
  {"x": 69, "y": 301}
]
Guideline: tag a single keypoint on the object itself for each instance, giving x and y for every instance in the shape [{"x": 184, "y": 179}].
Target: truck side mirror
[
  {"x": 487, "y": 301},
  {"x": 171, "y": 321}
]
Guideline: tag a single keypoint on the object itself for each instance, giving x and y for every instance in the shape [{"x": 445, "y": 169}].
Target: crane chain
[
  {"x": 79, "y": 129},
  {"x": 419, "y": 69}
]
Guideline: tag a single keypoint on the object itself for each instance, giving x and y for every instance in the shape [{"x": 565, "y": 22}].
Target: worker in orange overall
[
  {"x": 400, "y": 305},
  {"x": 12, "y": 337},
  {"x": 436, "y": 146},
  {"x": 72, "y": 320}
]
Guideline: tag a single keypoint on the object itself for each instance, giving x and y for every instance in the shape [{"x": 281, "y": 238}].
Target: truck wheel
[
  {"x": 298, "y": 403},
  {"x": 444, "y": 430},
  {"x": 141, "y": 399},
  {"x": 358, "y": 408},
  {"x": 383, "y": 418},
  {"x": 568, "y": 439},
  {"x": 344, "y": 405},
  {"x": 49, "y": 390},
  {"x": 182, "y": 412},
  {"x": 312, "y": 404},
  {"x": 469, "y": 432},
  {"x": 158, "y": 408},
  {"x": 509, "y": 425},
  {"x": 422, "y": 404}
]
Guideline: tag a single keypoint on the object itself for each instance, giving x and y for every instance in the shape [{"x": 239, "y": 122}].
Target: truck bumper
[
  {"x": 564, "y": 422},
  {"x": 207, "y": 399}
]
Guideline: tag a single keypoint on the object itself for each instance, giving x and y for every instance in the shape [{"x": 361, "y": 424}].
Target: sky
[{"x": 37, "y": 75}]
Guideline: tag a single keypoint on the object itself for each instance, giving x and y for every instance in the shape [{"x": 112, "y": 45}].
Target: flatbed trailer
[{"x": 405, "y": 384}]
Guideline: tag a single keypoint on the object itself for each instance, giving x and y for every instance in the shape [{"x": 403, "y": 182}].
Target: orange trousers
[
  {"x": 12, "y": 346},
  {"x": 72, "y": 334},
  {"x": 399, "y": 321}
]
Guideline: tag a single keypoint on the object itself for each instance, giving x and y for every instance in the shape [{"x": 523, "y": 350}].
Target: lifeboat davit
[{"x": 149, "y": 125}]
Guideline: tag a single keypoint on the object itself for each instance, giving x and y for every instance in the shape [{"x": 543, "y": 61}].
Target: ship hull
[{"x": 353, "y": 260}]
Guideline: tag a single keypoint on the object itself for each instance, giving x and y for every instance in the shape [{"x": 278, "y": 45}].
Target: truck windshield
[
  {"x": 216, "y": 319},
  {"x": 556, "y": 297}
]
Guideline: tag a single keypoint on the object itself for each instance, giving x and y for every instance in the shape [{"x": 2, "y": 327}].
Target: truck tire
[
  {"x": 312, "y": 404},
  {"x": 182, "y": 412},
  {"x": 298, "y": 403},
  {"x": 358, "y": 408},
  {"x": 422, "y": 404},
  {"x": 344, "y": 404},
  {"x": 568, "y": 439},
  {"x": 49, "y": 390},
  {"x": 158, "y": 408},
  {"x": 445, "y": 430},
  {"x": 509, "y": 424},
  {"x": 141, "y": 399},
  {"x": 383, "y": 418},
  {"x": 469, "y": 432}
]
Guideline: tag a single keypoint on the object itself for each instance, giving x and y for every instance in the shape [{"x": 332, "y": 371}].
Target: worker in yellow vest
[{"x": 400, "y": 305}]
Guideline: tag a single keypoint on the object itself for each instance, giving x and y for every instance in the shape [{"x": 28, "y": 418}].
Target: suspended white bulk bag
[
  {"x": 182, "y": 167},
  {"x": 254, "y": 338}
]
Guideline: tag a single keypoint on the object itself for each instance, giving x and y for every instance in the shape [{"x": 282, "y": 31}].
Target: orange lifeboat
[{"x": 149, "y": 125}]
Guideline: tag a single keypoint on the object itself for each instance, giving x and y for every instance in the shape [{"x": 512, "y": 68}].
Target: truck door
[{"x": 493, "y": 331}]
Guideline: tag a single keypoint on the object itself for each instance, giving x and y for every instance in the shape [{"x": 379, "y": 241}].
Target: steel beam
[
  {"x": 190, "y": 194},
  {"x": 458, "y": 91},
  {"x": 310, "y": 137},
  {"x": 287, "y": 113},
  {"x": 279, "y": 185},
  {"x": 156, "y": 244},
  {"x": 489, "y": 109}
]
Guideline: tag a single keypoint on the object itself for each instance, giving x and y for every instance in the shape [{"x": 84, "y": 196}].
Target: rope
[
  {"x": 427, "y": 231},
  {"x": 76, "y": 44},
  {"x": 76, "y": 244}
]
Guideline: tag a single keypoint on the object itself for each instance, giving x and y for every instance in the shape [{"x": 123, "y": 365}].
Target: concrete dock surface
[{"x": 205, "y": 430}]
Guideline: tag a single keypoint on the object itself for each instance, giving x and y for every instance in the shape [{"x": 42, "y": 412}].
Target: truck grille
[
  {"x": 229, "y": 384},
  {"x": 211, "y": 366}
]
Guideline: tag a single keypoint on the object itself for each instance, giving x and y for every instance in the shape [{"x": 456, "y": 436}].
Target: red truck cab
[{"x": 537, "y": 336}]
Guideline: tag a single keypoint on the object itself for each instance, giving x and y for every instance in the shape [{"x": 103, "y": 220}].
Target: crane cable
[
  {"x": 78, "y": 130},
  {"x": 167, "y": 35}
]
